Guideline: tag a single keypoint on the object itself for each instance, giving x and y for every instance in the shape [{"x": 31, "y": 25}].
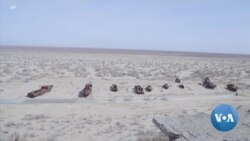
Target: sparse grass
[
  {"x": 10, "y": 124},
  {"x": 35, "y": 117}
]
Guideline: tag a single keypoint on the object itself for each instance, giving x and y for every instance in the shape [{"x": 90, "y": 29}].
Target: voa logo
[{"x": 224, "y": 117}]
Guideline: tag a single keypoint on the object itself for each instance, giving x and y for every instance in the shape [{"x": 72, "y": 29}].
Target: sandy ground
[{"x": 104, "y": 115}]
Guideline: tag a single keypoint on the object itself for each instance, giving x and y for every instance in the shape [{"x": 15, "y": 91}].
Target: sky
[{"x": 219, "y": 26}]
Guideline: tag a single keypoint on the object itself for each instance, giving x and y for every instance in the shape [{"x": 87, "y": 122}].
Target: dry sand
[{"x": 60, "y": 115}]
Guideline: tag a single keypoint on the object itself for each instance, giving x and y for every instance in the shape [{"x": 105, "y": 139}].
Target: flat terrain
[{"x": 104, "y": 115}]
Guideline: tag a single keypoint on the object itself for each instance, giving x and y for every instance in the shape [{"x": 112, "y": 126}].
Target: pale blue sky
[{"x": 221, "y": 26}]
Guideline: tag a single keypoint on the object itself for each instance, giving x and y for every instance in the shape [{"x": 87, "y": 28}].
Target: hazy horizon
[
  {"x": 125, "y": 51},
  {"x": 179, "y": 26}
]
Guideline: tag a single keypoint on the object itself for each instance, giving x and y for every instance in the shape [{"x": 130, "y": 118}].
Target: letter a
[{"x": 230, "y": 118}]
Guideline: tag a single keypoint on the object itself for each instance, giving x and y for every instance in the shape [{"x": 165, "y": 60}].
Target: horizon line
[{"x": 123, "y": 50}]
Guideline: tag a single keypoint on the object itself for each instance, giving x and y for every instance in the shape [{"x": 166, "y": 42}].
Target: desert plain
[{"x": 61, "y": 115}]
